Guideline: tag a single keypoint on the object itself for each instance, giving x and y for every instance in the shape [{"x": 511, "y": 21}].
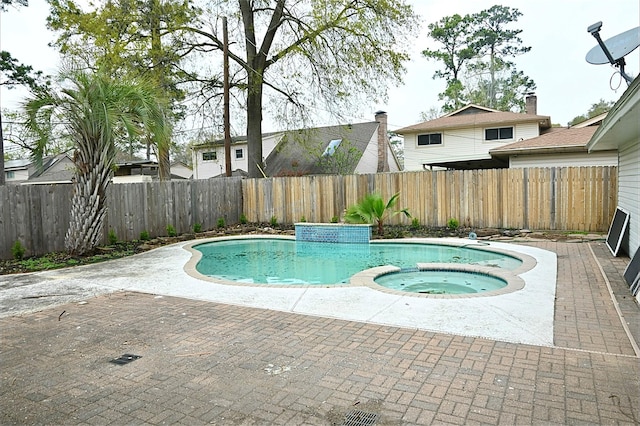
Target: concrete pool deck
[
  {"x": 208, "y": 362},
  {"x": 524, "y": 316}
]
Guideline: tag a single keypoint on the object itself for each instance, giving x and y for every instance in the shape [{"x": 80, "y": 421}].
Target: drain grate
[
  {"x": 359, "y": 418},
  {"x": 125, "y": 359}
]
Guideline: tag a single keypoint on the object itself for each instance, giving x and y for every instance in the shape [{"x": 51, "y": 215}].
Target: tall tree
[
  {"x": 334, "y": 50},
  {"x": 128, "y": 37},
  {"x": 455, "y": 35},
  {"x": 13, "y": 73},
  {"x": 497, "y": 42},
  {"x": 477, "y": 52},
  {"x": 97, "y": 111}
]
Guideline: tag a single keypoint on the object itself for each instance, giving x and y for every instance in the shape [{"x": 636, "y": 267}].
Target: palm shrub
[
  {"x": 97, "y": 111},
  {"x": 373, "y": 210}
]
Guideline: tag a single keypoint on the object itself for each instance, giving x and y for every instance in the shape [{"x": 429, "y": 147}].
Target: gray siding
[{"x": 629, "y": 190}]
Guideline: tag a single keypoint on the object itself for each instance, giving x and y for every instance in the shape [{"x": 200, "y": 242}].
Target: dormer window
[
  {"x": 430, "y": 139},
  {"x": 498, "y": 133}
]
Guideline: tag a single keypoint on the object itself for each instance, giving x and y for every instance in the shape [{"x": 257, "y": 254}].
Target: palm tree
[
  {"x": 97, "y": 111},
  {"x": 372, "y": 209}
]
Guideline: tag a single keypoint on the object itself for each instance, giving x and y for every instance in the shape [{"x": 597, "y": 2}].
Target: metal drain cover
[
  {"x": 359, "y": 418},
  {"x": 125, "y": 359}
]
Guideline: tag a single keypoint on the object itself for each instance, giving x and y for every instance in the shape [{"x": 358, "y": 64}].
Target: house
[
  {"x": 133, "y": 171},
  {"x": 557, "y": 147},
  {"x": 54, "y": 169},
  {"x": 60, "y": 169},
  {"x": 340, "y": 149},
  {"x": 620, "y": 131},
  {"x": 209, "y": 159},
  {"x": 464, "y": 138}
]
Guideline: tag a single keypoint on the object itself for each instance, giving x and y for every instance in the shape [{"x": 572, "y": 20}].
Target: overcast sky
[{"x": 555, "y": 29}]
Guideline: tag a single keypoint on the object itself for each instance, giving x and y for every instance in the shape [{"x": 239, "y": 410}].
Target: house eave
[
  {"x": 621, "y": 124},
  {"x": 543, "y": 123},
  {"x": 538, "y": 150}
]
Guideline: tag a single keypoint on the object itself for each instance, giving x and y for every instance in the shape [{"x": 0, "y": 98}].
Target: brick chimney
[
  {"x": 383, "y": 142},
  {"x": 531, "y": 105}
]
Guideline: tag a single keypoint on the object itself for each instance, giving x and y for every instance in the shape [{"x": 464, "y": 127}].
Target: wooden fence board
[{"x": 550, "y": 198}]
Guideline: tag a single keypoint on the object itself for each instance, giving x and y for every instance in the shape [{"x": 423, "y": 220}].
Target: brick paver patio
[{"x": 207, "y": 363}]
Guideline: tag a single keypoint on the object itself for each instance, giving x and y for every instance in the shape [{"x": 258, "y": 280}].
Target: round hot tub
[{"x": 440, "y": 281}]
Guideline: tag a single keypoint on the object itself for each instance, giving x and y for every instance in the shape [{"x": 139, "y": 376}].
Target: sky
[{"x": 556, "y": 30}]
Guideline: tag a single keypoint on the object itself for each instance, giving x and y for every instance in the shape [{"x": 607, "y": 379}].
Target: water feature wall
[{"x": 333, "y": 232}]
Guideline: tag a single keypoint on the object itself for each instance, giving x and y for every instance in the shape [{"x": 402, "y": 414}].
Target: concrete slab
[{"x": 524, "y": 316}]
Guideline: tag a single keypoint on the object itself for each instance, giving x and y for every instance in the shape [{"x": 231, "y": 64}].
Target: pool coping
[{"x": 366, "y": 278}]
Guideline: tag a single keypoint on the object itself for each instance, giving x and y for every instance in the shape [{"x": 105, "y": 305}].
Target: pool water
[
  {"x": 441, "y": 282},
  {"x": 280, "y": 261}
]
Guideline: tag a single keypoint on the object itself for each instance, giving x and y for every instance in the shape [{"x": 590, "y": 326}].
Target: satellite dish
[{"x": 614, "y": 49}]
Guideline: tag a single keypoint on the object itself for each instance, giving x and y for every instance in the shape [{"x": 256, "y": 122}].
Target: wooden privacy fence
[
  {"x": 38, "y": 215},
  {"x": 574, "y": 198}
]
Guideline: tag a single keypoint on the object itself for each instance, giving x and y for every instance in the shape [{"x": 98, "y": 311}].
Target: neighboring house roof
[
  {"x": 597, "y": 120},
  {"x": 22, "y": 163},
  {"x": 316, "y": 151},
  {"x": 556, "y": 139},
  {"x": 234, "y": 141},
  {"x": 54, "y": 169},
  {"x": 475, "y": 116}
]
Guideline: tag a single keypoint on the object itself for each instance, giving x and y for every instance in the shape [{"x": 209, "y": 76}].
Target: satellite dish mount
[{"x": 613, "y": 50}]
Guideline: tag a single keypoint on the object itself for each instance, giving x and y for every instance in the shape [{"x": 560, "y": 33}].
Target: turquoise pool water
[
  {"x": 279, "y": 261},
  {"x": 441, "y": 282}
]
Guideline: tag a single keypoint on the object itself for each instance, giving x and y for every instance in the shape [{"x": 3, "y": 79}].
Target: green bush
[
  {"x": 303, "y": 219},
  {"x": 453, "y": 223},
  {"x": 18, "y": 250},
  {"x": 243, "y": 219},
  {"x": 144, "y": 236},
  {"x": 335, "y": 219},
  {"x": 274, "y": 221},
  {"x": 374, "y": 210},
  {"x": 221, "y": 222},
  {"x": 113, "y": 238},
  {"x": 197, "y": 228},
  {"x": 171, "y": 231},
  {"x": 415, "y": 223}
]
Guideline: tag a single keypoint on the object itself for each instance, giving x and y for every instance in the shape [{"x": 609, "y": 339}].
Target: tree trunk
[
  {"x": 254, "y": 126},
  {"x": 1, "y": 153},
  {"x": 88, "y": 203},
  {"x": 157, "y": 52},
  {"x": 164, "y": 164}
]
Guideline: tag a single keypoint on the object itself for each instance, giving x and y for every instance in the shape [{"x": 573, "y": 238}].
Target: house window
[
  {"x": 430, "y": 139},
  {"x": 11, "y": 175},
  {"x": 499, "y": 133},
  {"x": 331, "y": 148},
  {"x": 239, "y": 154},
  {"x": 209, "y": 156}
]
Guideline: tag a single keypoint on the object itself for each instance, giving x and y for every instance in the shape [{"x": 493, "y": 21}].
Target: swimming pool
[{"x": 288, "y": 262}]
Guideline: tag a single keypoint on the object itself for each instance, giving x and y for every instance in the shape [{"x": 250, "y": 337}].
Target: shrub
[
  {"x": 171, "y": 231},
  {"x": 335, "y": 219},
  {"x": 144, "y": 236},
  {"x": 221, "y": 222},
  {"x": 197, "y": 228},
  {"x": 113, "y": 238},
  {"x": 415, "y": 223},
  {"x": 373, "y": 209},
  {"x": 18, "y": 250},
  {"x": 274, "y": 221},
  {"x": 453, "y": 223},
  {"x": 243, "y": 219},
  {"x": 303, "y": 219}
]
